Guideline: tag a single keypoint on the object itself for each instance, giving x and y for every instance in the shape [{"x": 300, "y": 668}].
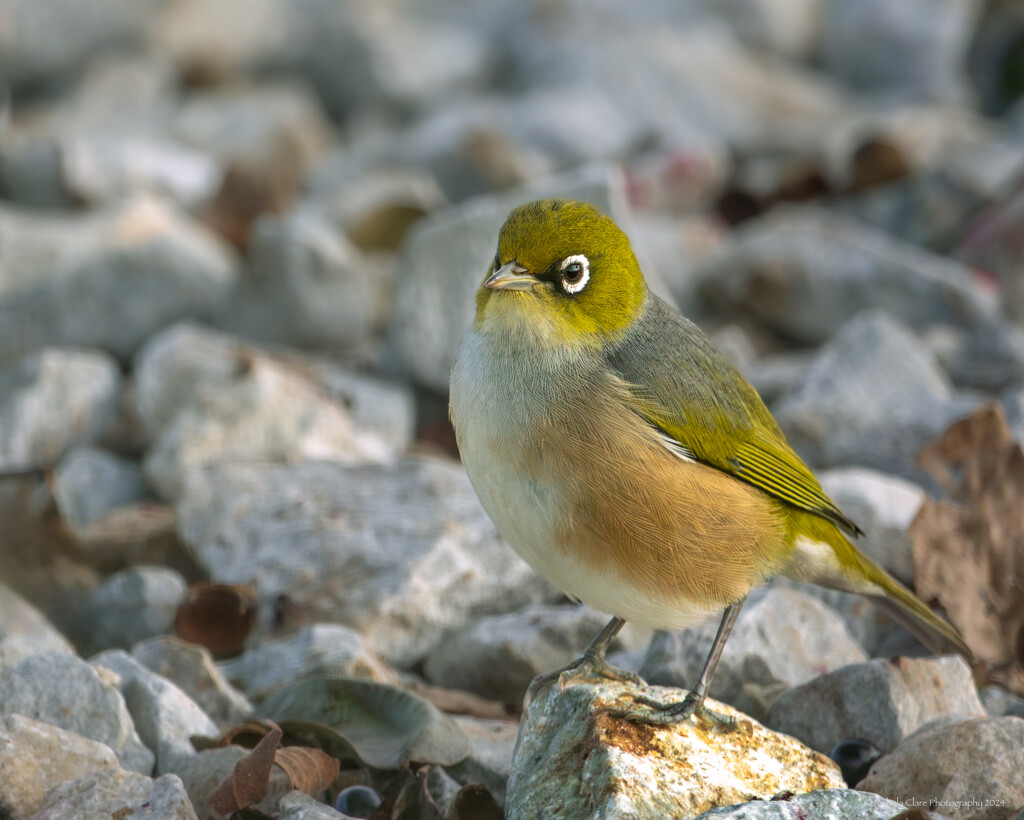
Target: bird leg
[
  {"x": 591, "y": 663},
  {"x": 659, "y": 713}
]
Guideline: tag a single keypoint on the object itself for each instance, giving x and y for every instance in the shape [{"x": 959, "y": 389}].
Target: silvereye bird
[{"x": 625, "y": 459}]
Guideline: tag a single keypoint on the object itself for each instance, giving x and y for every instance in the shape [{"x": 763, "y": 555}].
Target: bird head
[{"x": 563, "y": 275}]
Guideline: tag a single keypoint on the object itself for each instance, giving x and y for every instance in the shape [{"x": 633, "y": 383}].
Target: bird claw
[
  {"x": 586, "y": 667},
  {"x": 658, "y": 713}
]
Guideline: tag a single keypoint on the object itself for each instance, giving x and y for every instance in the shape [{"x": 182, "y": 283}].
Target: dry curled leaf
[
  {"x": 969, "y": 547},
  {"x": 249, "y": 780},
  {"x": 218, "y": 616},
  {"x": 309, "y": 770}
]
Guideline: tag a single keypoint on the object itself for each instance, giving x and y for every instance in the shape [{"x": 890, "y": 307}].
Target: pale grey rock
[
  {"x": 375, "y": 207},
  {"x": 991, "y": 245},
  {"x": 497, "y": 657},
  {"x": 25, "y": 631},
  {"x": 917, "y": 48},
  {"x": 262, "y": 130},
  {"x": 804, "y": 271},
  {"x": 318, "y": 650},
  {"x": 782, "y": 637},
  {"x": 193, "y": 670},
  {"x": 1000, "y": 703},
  {"x": 65, "y": 691},
  {"x": 134, "y": 604},
  {"x": 309, "y": 283},
  {"x": 446, "y": 255},
  {"x": 965, "y": 768},
  {"x": 35, "y": 757},
  {"x": 298, "y": 805},
  {"x": 89, "y": 482},
  {"x": 118, "y": 793},
  {"x": 883, "y": 506},
  {"x": 44, "y": 40},
  {"x": 222, "y": 42},
  {"x": 164, "y": 716},
  {"x": 786, "y": 27},
  {"x": 776, "y": 375},
  {"x": 676, "y": 246},
  {"x": 573, "y": 759},
  {"x": 691, "y": 84},
  {"x": 372, "y": 56},
  {"x": 109, "y": 278},
  {"x": 870, "y": 626},
  {"x": 203, "y": 772},
  {"x": 403, "y": 580},
  {"x": 52, "y": 400},
  {"x": 874, "y": 396},
  {"x": 881, "y": 701},
  {"x": 205, "y": 398},
  {"x": 989, "y": 357},
  {"x": 106, "y": 166},
  {"x": 491, "y": 746},
  {"x": 105, "y": 140},
  {"x": 827, "y": 804}
]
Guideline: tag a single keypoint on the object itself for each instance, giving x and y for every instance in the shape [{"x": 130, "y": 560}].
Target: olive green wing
[{"x": 706, "y": 410}]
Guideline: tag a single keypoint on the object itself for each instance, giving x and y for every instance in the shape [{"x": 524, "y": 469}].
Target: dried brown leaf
[
  {"x": 218, "y": 616},
  {"x": 969, "y": 548},
  {"x": 249, "y": 779},
  {"x": 309, "y": 770}
]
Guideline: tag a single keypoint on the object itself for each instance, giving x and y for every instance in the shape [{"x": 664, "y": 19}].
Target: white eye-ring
[{"x": 575, "y": 273}]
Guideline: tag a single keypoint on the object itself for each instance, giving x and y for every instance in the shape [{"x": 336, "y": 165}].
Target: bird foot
[
  {"x": 658, "y": 713},
  {"x": 586, "y": 667}
]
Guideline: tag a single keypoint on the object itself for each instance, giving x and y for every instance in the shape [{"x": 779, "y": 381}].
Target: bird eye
[{"x": 575, "y": 273}]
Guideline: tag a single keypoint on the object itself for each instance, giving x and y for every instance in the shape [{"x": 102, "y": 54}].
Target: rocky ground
[{"x": 238, "y": 248}]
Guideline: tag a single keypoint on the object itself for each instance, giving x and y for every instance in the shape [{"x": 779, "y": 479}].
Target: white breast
[{"x": 496, "y": 422}]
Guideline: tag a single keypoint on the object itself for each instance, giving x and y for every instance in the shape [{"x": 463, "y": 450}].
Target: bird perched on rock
[{"x": 625, "y": 459}]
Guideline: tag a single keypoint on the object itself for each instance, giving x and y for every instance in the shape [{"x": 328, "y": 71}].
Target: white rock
[
  {"x": 804, "y": 271},
  {"x": 107, "y": 279},
  {"x": 782, "y": 637},
  {"x": 89, "y": 483},
  {"x": 403, "y": 580},
  {"x": 25, "y": 631},
  {"x": 929, "y": 767},
  {"x": 317, "y": 650},
  {"x": 135, "y": 604},
  {"x": 111, "y": 792},
  {"x": 165, "y": 717},
  {"x": 51, "y": 400},
  {"x": 874, "y": 396},
  {"x": 917, "y": 48},
  {"x": 204, "y": 398},
  {"x": 881, "y": 701},
  {"x": 193, "y": 670},
  {"x": 497, "y": 657},
  {"x": 574, "y": 759},
  {"x": 65, "y": 691},
  {"x": 883, "y": 506},
  {"x": 44, "y": 39},
  {"x": 259, "y": 129},
  {"x": 35, "y": 757},
  {"x": 309, "y": 285}
]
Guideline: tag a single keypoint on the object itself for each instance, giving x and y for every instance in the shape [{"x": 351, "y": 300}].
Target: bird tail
[
  {"x": 824, "y": 556},
  {"x": 896, "y": 600}
]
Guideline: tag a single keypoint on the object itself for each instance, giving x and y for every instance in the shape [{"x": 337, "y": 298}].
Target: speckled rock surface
[
  {"x": 881, "y": 701},
  {"x": 931, "y": 765},
  {"x": 35, "y": 757},
  {"x": 573, "y": 760}
]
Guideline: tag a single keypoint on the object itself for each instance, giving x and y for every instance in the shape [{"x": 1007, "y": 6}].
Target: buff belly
[{"x": 586, "y": 492}]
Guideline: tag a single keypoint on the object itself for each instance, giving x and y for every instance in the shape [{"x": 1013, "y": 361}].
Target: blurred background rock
[{"x": 239, "y": 244}]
